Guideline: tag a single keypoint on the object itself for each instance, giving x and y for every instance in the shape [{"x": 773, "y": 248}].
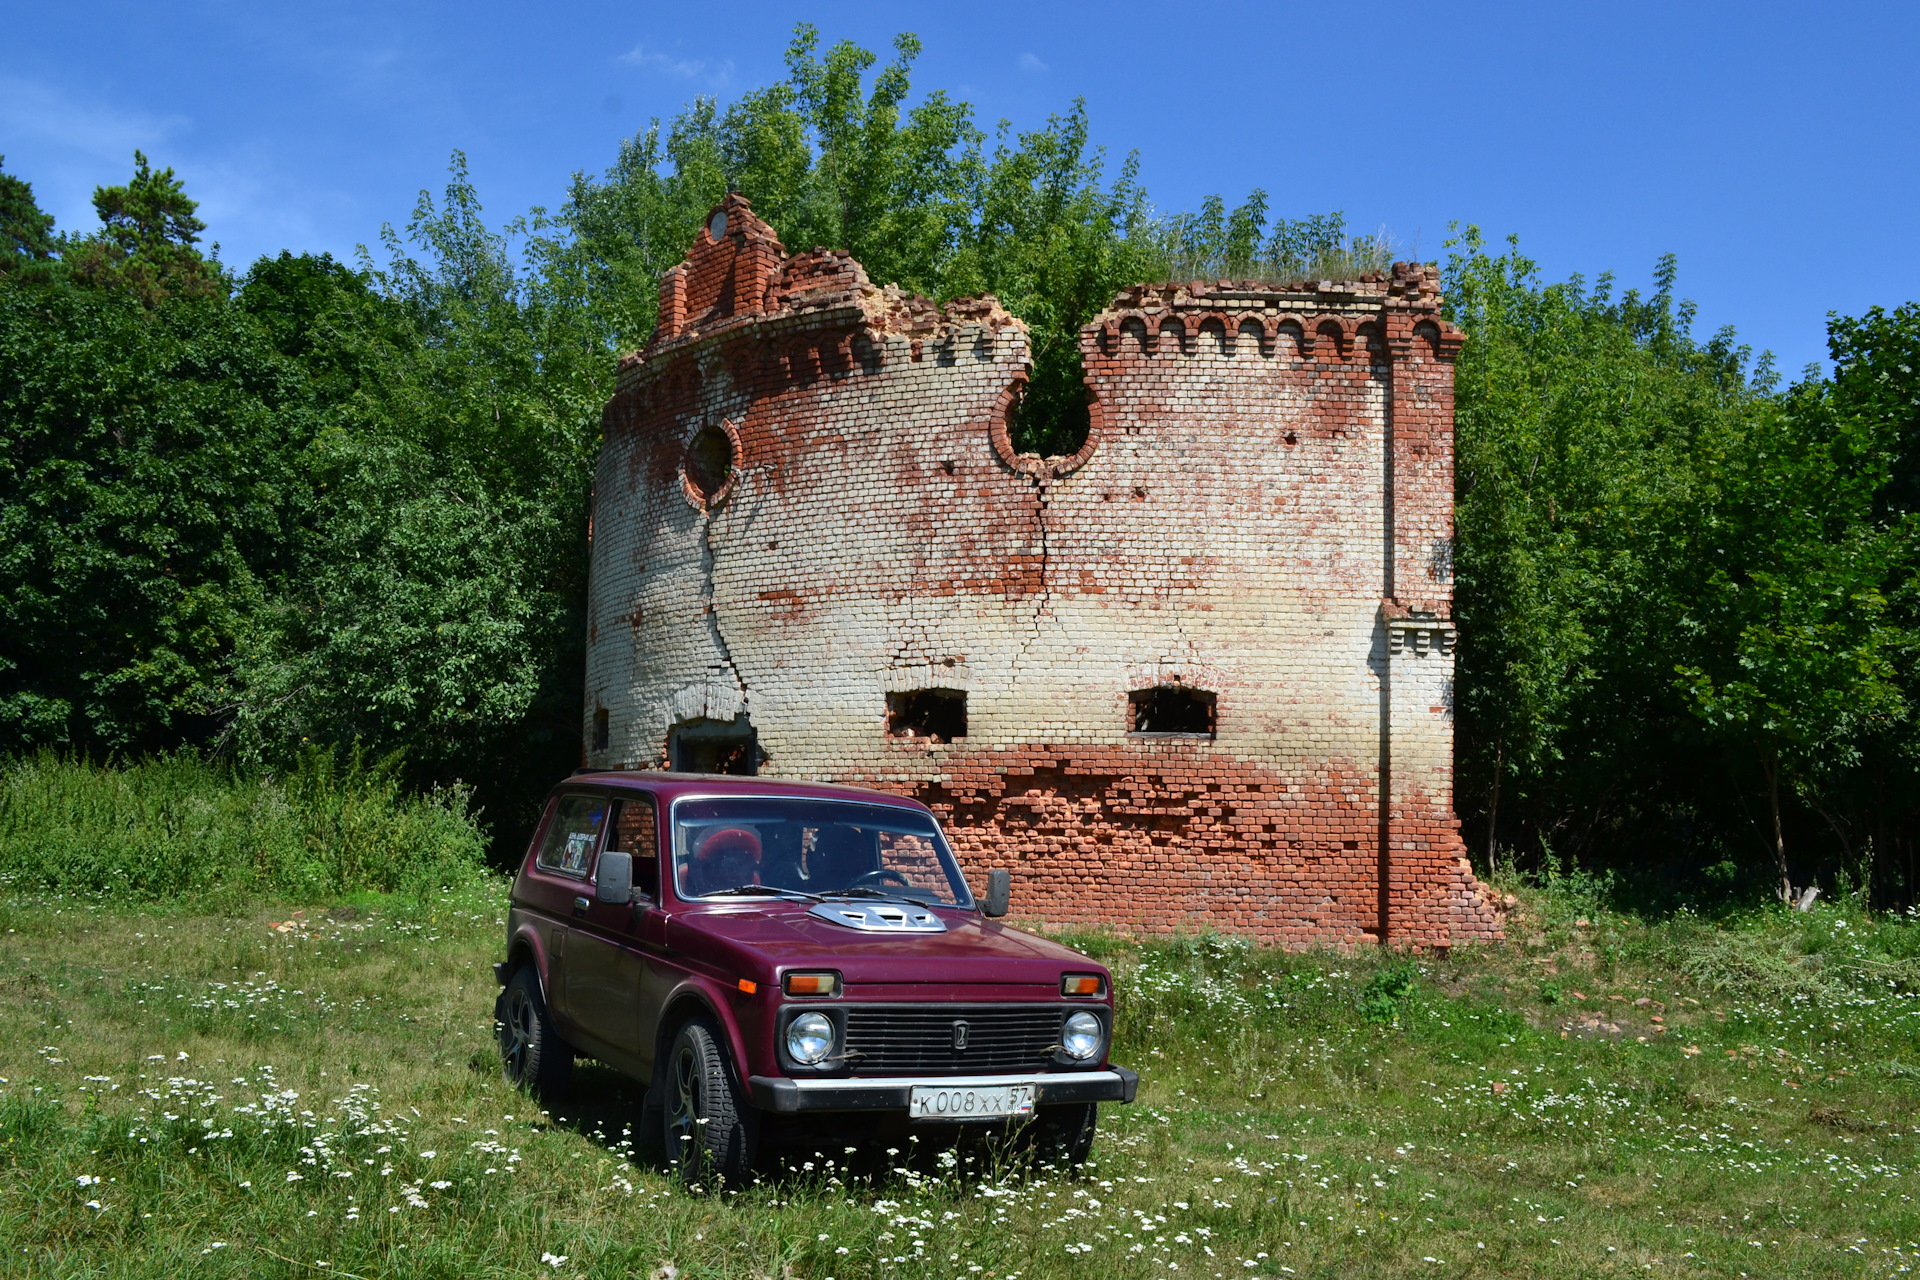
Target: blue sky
[{"x": 1771, "y": 146}]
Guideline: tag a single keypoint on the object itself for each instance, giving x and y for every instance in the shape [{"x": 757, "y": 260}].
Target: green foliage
[
  {"x": 1676, "y": 587},
  {"x": 831, "y": 160},
  {"x": 175, "y": 827},
  {"x": 1054, "y": 245},
  {"x": 1216, "y": 244},
  {"x": 434, "y": 601},
  {"x": 1788, "y": 571},
  {"x": 1385, "y": 993},
  {"x": 145, "y": 243},
  {"x": 26, "y": 232},
  {"x": 347, "y": 503},
  {"x": 149, "y": 481}
]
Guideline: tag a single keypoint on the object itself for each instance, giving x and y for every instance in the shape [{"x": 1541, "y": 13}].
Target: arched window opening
[
  {"x": 938, "y": 715},
  {"x": 1170, "y": 711}
]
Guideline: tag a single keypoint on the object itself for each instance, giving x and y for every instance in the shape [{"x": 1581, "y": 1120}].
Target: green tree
[
  {"x": 1873, "y": 807},
  {"x": 1054, "y": 245},
  {"x": 1581, "y": 423},
  {"x": 436, "y": 607},
  {"x": 26, "y": 233},
  {"x": 149, "y": 477},
  {"x": 146, "y": 238},
  {"x": 1789, "y": 614}
]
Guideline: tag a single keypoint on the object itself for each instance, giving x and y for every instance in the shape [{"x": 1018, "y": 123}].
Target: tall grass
[
  {"x": 178, "y": 827},
  {"x": 218, "y": 1096}
]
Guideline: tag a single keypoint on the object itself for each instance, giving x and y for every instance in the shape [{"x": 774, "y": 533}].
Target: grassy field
[{"x": 266, "y": 1094}]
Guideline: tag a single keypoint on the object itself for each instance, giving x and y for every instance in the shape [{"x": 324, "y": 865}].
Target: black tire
[
  {"x": 707, "y": 1129},
  {"x": 1062, "y": 1134},
  {"x": 532, "y": 1053}
]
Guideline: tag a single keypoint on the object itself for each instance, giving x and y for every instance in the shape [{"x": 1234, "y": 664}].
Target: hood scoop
[{"x": 879, "y": 917}]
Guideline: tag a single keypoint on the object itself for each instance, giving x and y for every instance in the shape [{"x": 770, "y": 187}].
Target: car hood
[{"x": 782, "y": 935}]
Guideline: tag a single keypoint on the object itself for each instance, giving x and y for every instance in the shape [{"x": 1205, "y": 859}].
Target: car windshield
[{"x": 754, "y": 845}]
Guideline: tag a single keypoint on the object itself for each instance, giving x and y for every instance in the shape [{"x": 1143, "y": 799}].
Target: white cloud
[
  {"x": 30, "y": 110},
  {"x": 66, "y": 146},
  {"x": 712, "y": 73},
  {"x": 1030, "y": 63}
]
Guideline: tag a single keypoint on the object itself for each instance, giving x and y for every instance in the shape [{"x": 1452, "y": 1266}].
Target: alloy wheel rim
[
  {"x": 519, "y": 1034},
  {"x": 683, "y": 1113}
]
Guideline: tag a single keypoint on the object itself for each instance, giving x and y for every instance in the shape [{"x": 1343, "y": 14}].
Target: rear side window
[
  {"x": 575, "y": 828},
  {"x": 635, "y": 832}
]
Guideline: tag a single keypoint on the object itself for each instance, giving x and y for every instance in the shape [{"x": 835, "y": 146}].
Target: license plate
[{"x": 938, "y": 1102}]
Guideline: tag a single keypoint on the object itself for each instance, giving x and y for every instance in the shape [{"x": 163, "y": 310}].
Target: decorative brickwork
[{"x": 1262, "y": 513}]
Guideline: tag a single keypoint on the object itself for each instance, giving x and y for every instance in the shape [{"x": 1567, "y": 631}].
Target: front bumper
[{"x": 786, "y": 1097}]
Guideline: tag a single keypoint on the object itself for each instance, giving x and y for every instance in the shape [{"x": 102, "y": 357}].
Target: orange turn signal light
[
  {"x": 1081, "y": 984},
  {"x": 749, "y": 987},
  {"x": 813, "y": 984}
]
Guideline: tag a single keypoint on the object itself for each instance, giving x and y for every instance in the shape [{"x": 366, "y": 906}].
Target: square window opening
[
  {"x": 602, "y": 729},
  {"x": 1171, "y": 711},
  {"x": 715, "y": 746},
  {"x": 938, "y": 715}
]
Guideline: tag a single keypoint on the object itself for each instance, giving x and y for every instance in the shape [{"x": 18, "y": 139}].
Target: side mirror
[
  {"x": 999, "y": 891},
  {"x": 613, "y": 878}
]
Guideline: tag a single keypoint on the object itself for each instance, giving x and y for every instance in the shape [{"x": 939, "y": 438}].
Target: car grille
[{"x": 895, "y": 1039}]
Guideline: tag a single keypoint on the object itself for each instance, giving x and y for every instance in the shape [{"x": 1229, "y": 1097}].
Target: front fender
[{"x": 697, "y": 995}]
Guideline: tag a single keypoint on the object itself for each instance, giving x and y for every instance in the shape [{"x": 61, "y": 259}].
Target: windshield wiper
[{"x": 760, "y": 890}]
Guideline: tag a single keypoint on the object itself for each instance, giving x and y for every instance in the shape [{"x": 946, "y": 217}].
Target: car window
[
  {"x": 634, "y": 831},
  {"x": 575, "y": 828},
  {"x": 821, "y": 847}
]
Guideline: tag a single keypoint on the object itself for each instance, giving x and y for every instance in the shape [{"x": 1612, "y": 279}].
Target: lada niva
[{"x": 762, "y": 953}]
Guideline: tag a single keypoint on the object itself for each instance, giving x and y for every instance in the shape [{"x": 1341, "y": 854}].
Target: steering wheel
[{"x": 880, "y": 877}]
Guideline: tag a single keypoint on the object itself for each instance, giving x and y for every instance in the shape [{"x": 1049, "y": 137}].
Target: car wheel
[
  {"x": 706, "y": 1126},
  {"x": 1063, "y": 1134},
  {"x": 531, "y": 1052}
]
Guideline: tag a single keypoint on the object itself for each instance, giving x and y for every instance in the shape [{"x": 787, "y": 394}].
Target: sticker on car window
[{"x": 579, "y": 845}]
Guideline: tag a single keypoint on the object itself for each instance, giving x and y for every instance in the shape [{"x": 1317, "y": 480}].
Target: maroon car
[{"x": 782, "y": 954}]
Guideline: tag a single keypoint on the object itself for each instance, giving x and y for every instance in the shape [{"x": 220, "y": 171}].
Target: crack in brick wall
[{"x": 1262, "y": 512}]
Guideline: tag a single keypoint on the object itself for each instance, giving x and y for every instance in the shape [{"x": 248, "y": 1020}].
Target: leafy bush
[
  {"x": 177, "y": 827},
  {"x": 1387, "y": 990}
]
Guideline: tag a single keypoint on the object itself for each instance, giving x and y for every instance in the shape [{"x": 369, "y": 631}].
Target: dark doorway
[
  {"x": 939, "y": 715},
  {"x": 715, "y": 746},
  {"x": 1171, "y": 711}
]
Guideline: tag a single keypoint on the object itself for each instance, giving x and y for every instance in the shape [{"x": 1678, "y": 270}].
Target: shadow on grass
[{"x": 607, "y": 1108}]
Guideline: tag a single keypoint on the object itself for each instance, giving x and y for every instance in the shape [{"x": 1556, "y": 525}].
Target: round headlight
[
  {"x": 1081, "y": 1036},
  {"x": 810, "y": 1038}
]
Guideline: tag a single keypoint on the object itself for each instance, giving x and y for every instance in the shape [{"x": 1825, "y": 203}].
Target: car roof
[{"x": 669, "y": 786}]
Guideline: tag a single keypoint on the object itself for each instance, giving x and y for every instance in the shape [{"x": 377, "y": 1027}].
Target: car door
[
  {"x": 555, "y": 886},
  {"x": 604, "y": 961}
]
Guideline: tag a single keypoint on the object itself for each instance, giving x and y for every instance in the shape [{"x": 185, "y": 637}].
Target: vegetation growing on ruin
[
  {"x": 246, "y": 512},
  {"x": 279, "y": 1093}
]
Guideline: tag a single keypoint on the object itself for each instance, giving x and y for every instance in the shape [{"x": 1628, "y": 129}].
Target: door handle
[{"x": 580, "y": 906}]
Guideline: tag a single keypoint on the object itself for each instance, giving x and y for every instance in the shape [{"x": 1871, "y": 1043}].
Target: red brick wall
[{"x": 1263, "y": 511}]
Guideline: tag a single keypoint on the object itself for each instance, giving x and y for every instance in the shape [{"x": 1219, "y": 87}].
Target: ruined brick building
[{"x": 1198, "y": 674}]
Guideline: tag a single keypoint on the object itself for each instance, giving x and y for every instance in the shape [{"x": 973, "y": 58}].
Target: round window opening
[
  {"x": 709, "y": 462},
  {"x": 716, "y": 225},
  {"x": 1051, "y": 417}
]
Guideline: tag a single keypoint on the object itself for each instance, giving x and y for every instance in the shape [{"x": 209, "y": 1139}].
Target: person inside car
[{"x": 727, "y": 858}]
